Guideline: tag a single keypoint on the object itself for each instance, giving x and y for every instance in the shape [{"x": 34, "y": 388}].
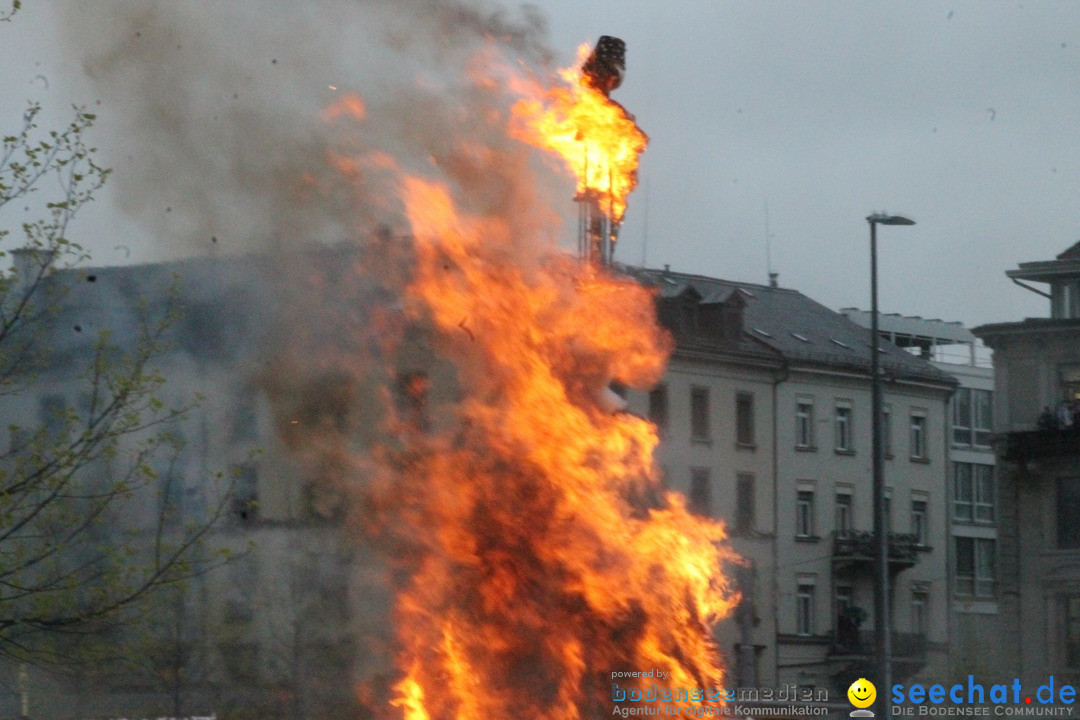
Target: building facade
[
  {"x": 1037, "y": 364},
  {"x": 782, "y": 386},
  {"x": 978, "y": 603},
  {"x": 764, "y": 415}
]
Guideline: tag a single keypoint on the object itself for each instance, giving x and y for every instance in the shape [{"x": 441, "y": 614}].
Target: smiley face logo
[{"x": 862, "y": 693}]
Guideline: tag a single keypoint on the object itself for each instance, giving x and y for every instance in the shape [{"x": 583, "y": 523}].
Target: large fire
[
  {"x": 594, "y": 136},
  {"x": 537, "y": 551}
]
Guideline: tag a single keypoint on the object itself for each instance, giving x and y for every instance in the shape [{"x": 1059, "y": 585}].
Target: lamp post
[{"x": 883, "y": 644}]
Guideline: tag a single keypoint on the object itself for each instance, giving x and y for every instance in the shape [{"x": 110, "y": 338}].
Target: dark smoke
[{"x": 213, "y": 111}]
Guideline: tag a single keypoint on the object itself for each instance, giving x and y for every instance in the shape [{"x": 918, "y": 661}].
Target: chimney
[{"x": 773, "y": 278}]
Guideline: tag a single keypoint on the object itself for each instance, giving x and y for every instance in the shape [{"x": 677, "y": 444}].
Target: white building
[
  {"x": 974, "y": 508},
  {"x": 764, "y": 414},
  {"x": 767, "y": 406}
]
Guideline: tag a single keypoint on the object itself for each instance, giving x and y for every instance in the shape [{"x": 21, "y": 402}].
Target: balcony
[
  {"x": 861, "y": 644},
  {"x": 1019, "y": 447},
  {"x": 856, "y": 548},
  {"x": 855, "y": 655}
]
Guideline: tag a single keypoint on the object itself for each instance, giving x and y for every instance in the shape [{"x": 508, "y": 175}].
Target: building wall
[
  {"x": 1041, "y": 575},
  {"x": 680, "y": 454},
  {"x": 974, "y": 617},
  {"x": 827, "y": 472},
  {"x": 781, "y": 469}
]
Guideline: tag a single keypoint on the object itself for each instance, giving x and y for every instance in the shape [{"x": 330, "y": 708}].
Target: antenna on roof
[{"x": 768, "y": 249}]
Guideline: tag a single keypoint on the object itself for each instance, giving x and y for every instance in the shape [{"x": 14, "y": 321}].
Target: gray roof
[
  {"x": 222, "y": 303},
  {"x": 802, "y": 330},
  {"x": 933, "y": 331},
  {"x": 1073, "y": 253},
  {"x": 1065, "y": 266}
]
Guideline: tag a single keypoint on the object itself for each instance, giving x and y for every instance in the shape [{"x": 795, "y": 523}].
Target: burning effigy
[{"x": 536, "y": 548}]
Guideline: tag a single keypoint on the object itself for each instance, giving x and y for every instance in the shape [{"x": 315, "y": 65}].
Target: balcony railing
[
  {"x": 862, "y": 643},
  {"x": 859, "y": 546},
  {"x": 1039, "y": 444}
]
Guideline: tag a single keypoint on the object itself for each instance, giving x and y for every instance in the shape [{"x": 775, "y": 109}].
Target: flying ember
[{"x": 536, "y": 549}]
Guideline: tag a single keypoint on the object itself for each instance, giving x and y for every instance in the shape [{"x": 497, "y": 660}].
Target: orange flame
[
  {"x": 537, "y": 551},
  {"x": 596, "y": 138},
  {"x": 544, "y": 553}
]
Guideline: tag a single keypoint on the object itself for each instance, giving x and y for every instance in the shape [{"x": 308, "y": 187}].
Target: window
[
  {"x": 974, "y": 567},
  {"x": 699, "y": 414},
  {"x": 918, "y": 436},
  {"x": 845, "y": 599},
  {"x": 1068, "y": 513},
  {"x": 843, "y": 428},
  {"x": 744, "y": 419},
  {"x": 973, "y": 492},
  {"x": 918, "y": 521},
  {"x": 847, "y": 630},
  {"x": 843, "y": 513},
  {"x": 658, "y": 408},
  {"x": 1071, "y": 611},
  {"x": 744, "y": 502},
  {"x": 982, "y": 411},
  {"x": 1070, "y": 382},
  {"x": 972, "y": 417},
  {"x": 243, "y": 578},
  {"x": 804, "y": 424},
  {"x": 1065, "y": 299},
  {"x": 963, "y": 492},
  {"x": 804, "y": 514},
  {"x": 920, "y": 601},
  {"x": 700, "y": 491},
  {"x": 245, "y": 493},
  {"x": 961, "y": 416},
  {"x": 984, "y": 493},
  {"x": 804, "y": 610}
]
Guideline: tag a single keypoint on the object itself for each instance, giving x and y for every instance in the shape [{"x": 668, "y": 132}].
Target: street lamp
[{"x": 883, "y": 644}]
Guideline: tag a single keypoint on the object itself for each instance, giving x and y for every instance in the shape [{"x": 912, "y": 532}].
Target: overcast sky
[{"x": 964, "y": 116}]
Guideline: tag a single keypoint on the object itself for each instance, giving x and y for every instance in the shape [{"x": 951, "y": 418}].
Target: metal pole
[{"x": 883, "y": 644}]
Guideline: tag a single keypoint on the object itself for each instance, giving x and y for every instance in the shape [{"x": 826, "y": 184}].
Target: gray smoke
[{"x": 215, "y": 111}]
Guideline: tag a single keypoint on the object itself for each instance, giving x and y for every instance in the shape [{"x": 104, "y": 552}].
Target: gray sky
[{"x": 962, "y": 115}]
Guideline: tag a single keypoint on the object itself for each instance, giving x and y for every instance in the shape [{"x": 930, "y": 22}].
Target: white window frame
[
  {"x": 843, "y": 428},
  {"x": 917, "y": 436},
  {"x": 844, "y": 511},
  {"x": 919, "y": 520},
  {"x": 804, "y": 423},
  {"x": 804, "y": 513},
  {"x": 972, "y": 417},
  {"x": 975, "y": 503},
  {"x": 804, "y": 609},
  {"x": 985, "y": 493},
  {"x": 920, "y": 604},
  {"x": 982, "y": 428},
  {"x": 979, "y": 581}
]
